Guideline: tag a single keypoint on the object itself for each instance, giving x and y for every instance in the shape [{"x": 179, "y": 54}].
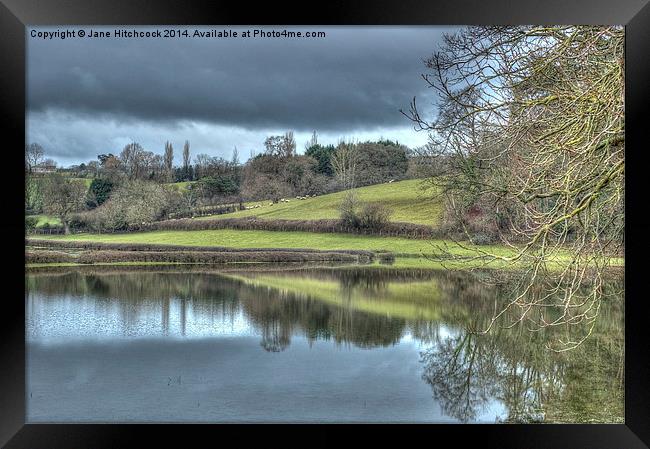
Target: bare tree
[
  {"x": 93, "y": 167},
  {"x": 289, "y": 144},
  {"x": 234, "y": 160},
  {"x": 273, "y": 145},
  {"x": 186, "y": 155},
  {"x": 135, "y": 202},
  {"x": 110, "y": 167},
  {"x": 313, "y": 141},
  {"x": 344, "y": 162},
  {"x": 62, "y": 197},
  {"x": 281, "y": 146},
  {"x": 189, "y": 197},
  {"x": 132, "y": 159},
  {"x": 531, "y": 123},
  {"x": 169, "y": 159},
  {"x": 33, "y": 156},
  {"x": 141, "y": 164},
  {"x": 202, "y": 164}
]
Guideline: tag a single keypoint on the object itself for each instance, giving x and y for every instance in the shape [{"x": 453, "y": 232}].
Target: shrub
[
  {"x": 30, "y": 223},
  {"x": 386, "y": 258},
  {"x": 79, "y": 222},
  {"x": 371, "y": 217},
  {"x": 477, "y": 222},
  {"x": 212, "y": 186},
  {"x": 203, "y": 211},
  {"x": 263, "y": 186},
  {"x": 33, "y": 195},
  {"x": 99, "y": 191},
  {"x": 63, "y": 197},
  {"x": 39, "y": 256},
  {"x": 348, "y": 210},
  {"x": 483, "y": 238},
  {"x": 374, "y": 216},
  {"x": 133, "y": 202}
]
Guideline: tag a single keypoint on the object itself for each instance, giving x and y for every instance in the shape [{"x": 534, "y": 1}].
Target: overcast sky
[{"x": 87, "y": 96}]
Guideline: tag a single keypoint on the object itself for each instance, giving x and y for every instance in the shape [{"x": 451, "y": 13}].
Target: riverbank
[
  {"x": 43, "y": 252},
  {"x": 376, "y": 251}
]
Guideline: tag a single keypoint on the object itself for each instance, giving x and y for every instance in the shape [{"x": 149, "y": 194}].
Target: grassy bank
[
  {"x": 181, "y": 185},
  {"x": 272, "y": 239},
  {"x": 409, "y": 253},
  {"x": 405, "y": 199},
  {"x": 84, "y": 181},
  {"x": 43, "y": 220},
  {"x": 199, "y": 257}
]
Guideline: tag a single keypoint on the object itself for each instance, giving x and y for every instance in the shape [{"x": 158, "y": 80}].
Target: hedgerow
[
  {"x": 394, "y": 229},
  {"x": 84, "y": 245},
  {"x": 112, "y": 256}
]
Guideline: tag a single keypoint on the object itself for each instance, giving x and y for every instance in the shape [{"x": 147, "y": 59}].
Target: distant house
[{"x": 44, "y": 168}]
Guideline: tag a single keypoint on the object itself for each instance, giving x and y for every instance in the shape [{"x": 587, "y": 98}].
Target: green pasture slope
[
  {"x": 48, "y": 220},
  {"x": 180, "y": 186},
  {"x": 406, "y": 199},
  {"x": 85, "y": 181}
]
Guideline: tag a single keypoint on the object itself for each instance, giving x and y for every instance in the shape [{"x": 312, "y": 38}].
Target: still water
[{"x": 302, "y": 345}]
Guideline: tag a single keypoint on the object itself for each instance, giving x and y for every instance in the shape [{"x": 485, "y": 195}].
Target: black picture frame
[{"x": 15, "y": 15}]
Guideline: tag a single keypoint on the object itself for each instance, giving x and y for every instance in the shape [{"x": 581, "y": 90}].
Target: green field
[
  {"x": 268, "y": 239},
  {"x": 406, "y": 199},
  {"x": 180, "y": 186},
  {"x": 86, "y": 181},
  {"x": 46, "y": 220},
  {"x": 410, "y": 253}
]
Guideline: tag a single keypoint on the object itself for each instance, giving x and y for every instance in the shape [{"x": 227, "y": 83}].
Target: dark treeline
[{"x": 137, "y": 186}]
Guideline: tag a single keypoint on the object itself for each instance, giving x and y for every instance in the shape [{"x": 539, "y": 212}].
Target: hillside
[
  {"x": 406, "y": 199},
  {"x": 46, "y": 220},
  {"x": 86, "y": 181},
  {"x": 181, "y": 185}
]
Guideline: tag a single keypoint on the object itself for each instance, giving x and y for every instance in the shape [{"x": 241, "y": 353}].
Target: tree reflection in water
[
  {"x": 468, "y": 373},
  {"x": 461, "y": 375}
]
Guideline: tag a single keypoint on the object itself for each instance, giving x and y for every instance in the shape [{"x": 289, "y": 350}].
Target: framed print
[{"x": 401, "y": 220}]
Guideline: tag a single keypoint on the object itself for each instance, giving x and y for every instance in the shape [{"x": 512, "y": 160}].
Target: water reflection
[{"x": 505, "y": 375}]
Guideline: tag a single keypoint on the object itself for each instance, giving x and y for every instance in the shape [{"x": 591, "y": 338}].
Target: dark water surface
[{"x": 310, "y": 345}]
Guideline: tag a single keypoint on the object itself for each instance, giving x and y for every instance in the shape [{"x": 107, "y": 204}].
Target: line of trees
[{"x": 136, "y": 186}]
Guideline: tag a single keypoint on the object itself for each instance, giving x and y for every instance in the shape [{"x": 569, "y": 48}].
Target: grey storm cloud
[
  {"x": 87, "y": 96},
  {"x": 354, "y": 77}
]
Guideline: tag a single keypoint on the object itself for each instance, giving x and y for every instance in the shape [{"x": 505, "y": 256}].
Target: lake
[{"x": 306, "y": 344}]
